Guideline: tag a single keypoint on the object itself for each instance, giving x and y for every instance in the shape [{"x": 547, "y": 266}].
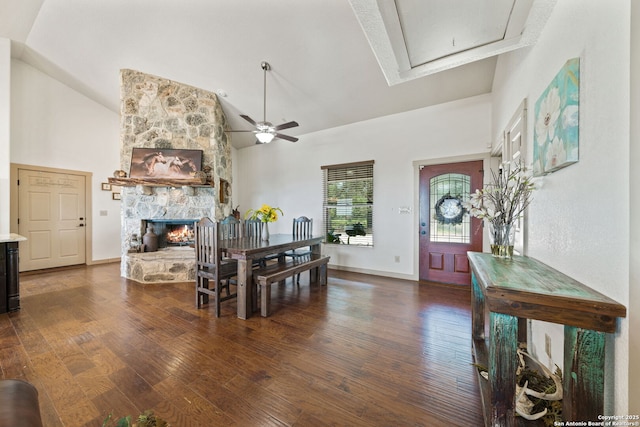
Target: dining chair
[
  {"x": 302, "y": 227},
  {"x": 252, "y": 229},
  {"x": 210, "y": 268},
  {"x": 230, "y": 228}
]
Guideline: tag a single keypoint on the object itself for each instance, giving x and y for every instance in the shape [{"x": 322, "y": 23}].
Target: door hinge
[{"x": 18, "y": 182}]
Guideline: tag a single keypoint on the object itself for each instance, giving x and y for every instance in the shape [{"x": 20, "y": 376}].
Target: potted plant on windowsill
[{"x": 353, "y": 230}]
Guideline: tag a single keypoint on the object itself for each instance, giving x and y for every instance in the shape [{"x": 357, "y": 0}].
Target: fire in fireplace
[
  {"x": 172, "y": 232},
  {"x": 180, "y": 234}
]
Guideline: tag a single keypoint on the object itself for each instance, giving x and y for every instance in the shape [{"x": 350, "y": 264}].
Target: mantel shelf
[{"x": 161, "y": 182}]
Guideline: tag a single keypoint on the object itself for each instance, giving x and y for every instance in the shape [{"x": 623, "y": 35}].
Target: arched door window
[{"x": 450, "y": 221}]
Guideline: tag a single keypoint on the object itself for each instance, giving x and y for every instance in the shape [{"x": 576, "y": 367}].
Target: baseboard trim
[
  {"x": 374, "y": 272},
  {"x": 104, "y": 261}
]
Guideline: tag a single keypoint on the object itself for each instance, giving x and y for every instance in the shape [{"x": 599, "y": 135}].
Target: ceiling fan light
[{"x": 265, "y": 137}]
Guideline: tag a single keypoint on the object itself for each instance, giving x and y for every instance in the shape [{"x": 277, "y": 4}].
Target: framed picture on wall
[
  {"x": 557, "y": 116},
  {"x": 106, "y": 186},
  {"x": 165, "y": 163}
]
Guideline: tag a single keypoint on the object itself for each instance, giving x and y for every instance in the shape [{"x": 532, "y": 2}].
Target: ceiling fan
[{"x": 264, "y": 130}]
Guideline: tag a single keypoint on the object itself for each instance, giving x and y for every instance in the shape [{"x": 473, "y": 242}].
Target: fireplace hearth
[
  {"x": 174, "y": 261},
  {"x": 167, "y": 210}
]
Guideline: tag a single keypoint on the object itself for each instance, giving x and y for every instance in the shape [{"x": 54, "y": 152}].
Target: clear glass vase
[
  {"x": 502, "y": 237},
  {"x": 265, "y": 231}
]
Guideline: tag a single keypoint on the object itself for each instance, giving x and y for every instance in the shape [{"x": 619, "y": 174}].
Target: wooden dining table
[{"x": 248, "y": 249}]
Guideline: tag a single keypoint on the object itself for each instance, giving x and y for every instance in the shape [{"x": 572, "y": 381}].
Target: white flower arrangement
[{"x": 502, "y": 202}]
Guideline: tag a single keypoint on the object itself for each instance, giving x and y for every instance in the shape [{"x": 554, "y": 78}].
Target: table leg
[
  {"x": 316, "y": 249},
  {"x": 583, "y": 376},
  {"x": 477, "y": 309},
  {"x": 245, "y": 286},
  {"x": 503, "y": 343}
]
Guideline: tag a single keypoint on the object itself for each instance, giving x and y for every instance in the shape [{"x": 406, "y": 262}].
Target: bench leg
[
  {"x": 265, "y": 300},
  {"x": 323, "y": 275}
]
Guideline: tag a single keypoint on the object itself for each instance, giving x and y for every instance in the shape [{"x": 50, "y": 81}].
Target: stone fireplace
[{"x": 162, "y": 114}]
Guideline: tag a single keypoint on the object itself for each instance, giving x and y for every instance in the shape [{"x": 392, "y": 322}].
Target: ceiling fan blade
[
  {"x": 287, "y": 137},
  {"x": 249, "y": 119},
  {"x": 231, "y": 130},
  {"x": 286, "y": 126}
]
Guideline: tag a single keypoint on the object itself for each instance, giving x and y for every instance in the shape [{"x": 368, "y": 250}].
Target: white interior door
[{"x": 52, "y": 215}]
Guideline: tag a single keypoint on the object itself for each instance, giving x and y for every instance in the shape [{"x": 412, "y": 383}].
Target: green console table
[{"x": 523, "y": 288}]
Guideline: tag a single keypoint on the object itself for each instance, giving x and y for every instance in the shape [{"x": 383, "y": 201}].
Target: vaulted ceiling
[{"x": 333, "y": 62}]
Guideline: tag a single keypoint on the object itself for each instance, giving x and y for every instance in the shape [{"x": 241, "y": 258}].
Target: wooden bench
[{"x": 280, "y": 271}]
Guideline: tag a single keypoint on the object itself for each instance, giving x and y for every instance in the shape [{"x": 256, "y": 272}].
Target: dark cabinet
[{"x": 9, "y": 277}]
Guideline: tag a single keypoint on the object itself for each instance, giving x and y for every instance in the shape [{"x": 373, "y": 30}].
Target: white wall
[
  {"x": 5, "y": 92},
  {"x": 288, "y": 175},
  {"x": 634, "y": 259},
  {"x": 578, "y": 220},
  {"x": 55, "y": 126}
]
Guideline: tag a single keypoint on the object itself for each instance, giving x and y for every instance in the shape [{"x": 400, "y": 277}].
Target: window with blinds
[{"x": 348, "y": 203}]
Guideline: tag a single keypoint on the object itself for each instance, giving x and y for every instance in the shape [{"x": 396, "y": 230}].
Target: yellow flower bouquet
[{"x": 266, "y": 213}]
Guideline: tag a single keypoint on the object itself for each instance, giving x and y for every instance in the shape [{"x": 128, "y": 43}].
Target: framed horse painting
[{"x": 165, "y": 163}]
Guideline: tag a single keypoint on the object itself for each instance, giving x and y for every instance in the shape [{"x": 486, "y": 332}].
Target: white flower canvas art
[{"x": 556, "y": 127}]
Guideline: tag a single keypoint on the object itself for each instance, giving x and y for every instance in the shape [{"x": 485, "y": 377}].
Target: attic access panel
[
  {"x": 439, "y": 28},
  {"x": 417, "y": 38}
]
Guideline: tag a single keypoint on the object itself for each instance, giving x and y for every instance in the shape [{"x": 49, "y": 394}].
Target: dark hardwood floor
[{"x": 363, "y": 351}]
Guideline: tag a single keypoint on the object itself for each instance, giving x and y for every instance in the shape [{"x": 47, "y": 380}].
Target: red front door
[{"x": 446, "y": 230}]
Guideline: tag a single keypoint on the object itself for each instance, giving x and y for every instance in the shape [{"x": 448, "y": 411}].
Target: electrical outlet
[
  {"x": 397, "y": 258},
  {"x": 103, "y": 213},
  {"x": 547, "y": 345}
]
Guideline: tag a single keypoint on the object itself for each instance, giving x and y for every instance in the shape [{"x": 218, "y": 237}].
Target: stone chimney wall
[{"x": 162, "y": 114}]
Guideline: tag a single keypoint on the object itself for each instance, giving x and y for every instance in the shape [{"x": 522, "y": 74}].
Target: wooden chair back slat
[
  {"x": 206, "y": 241},
  {"x": 252, "y": 228},
  {"x": 230, "y": 228},
  {"x": 302, "y": 227}
]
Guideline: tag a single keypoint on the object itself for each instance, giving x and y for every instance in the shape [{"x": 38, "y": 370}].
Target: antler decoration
[{"x": 523, "y": 404}]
